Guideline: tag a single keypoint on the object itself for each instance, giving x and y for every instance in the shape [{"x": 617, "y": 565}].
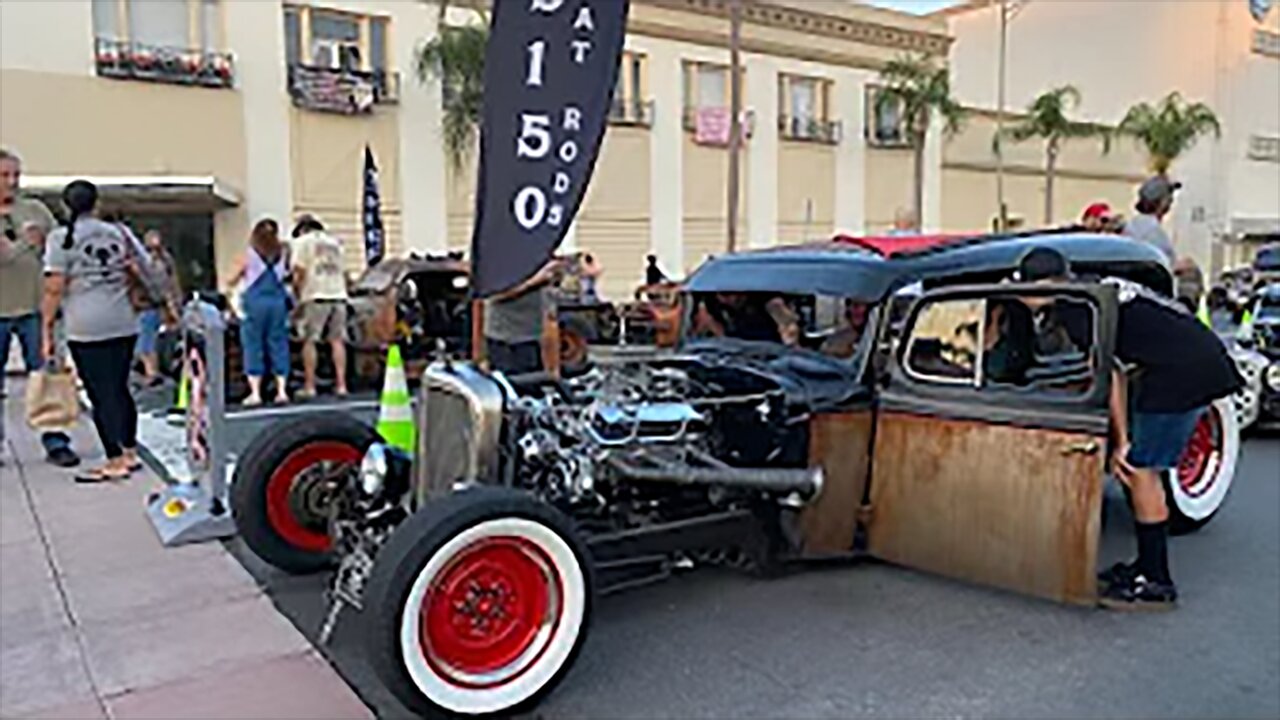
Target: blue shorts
[
  {"x": 1158, "y": 439},
  {"x": 148, "y": 331}
]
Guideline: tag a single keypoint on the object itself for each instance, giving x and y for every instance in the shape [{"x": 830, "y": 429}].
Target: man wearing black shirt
[{"x": 1182, "y": 368}]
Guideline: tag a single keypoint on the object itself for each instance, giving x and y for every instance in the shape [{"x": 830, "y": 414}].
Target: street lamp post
[
  {"x": 1007, "y": 9},
  {"x": 735, "y": 116},
  {"x": 1002, "y": 222}
]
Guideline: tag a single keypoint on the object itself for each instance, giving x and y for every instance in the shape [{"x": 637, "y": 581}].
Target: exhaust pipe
[{"x": 807, "y": 483}]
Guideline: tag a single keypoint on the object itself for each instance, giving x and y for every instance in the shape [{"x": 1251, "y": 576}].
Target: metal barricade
[{"x": 196, "y": 509}]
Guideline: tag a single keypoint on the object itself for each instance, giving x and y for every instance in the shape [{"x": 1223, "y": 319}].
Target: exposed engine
[{"x": 627, "y": 427}]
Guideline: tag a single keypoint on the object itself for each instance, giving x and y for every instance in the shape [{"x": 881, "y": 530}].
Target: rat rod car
[
  {"x": 917, "y": 407},
  {"x": 417, "y": 301}
]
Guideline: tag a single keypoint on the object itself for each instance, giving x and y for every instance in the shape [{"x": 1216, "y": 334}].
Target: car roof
[{"x": 870, "y": 268}]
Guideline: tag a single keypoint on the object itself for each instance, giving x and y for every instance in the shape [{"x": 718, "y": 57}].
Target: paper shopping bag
[{"x": 52, "y": 403}]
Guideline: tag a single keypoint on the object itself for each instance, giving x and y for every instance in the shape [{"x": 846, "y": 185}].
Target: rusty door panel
[
  {"x": 839, "y": 442},
  {"x": 1013, "y": 507}
]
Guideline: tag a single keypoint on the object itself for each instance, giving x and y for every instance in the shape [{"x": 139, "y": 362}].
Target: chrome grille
[
  {"x": 447, "y": 444},
  {"x": 459, "y": 421}
]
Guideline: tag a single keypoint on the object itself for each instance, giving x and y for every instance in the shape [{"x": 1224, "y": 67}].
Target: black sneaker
[
  {"x": 1118, "y": 574},
  {"x": 1139, "y": 594},
  {"x": 64, "y": 457}
]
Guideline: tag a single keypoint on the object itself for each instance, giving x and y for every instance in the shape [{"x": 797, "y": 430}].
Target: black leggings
[{"x": 103, "y": 365}]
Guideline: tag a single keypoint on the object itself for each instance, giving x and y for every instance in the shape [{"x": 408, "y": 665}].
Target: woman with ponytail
[{"x": 89, "y": 266}]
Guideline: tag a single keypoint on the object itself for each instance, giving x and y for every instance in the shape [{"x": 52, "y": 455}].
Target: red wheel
[
  {"x": 1200, "y": 453},
  {"x": 285, "y": 483},
  {"x": 490, "y": 613},
  {"x": 300, "y": 490}
]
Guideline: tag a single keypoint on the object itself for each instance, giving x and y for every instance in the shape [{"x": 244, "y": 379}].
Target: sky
[{"x": 913, "y": 6}]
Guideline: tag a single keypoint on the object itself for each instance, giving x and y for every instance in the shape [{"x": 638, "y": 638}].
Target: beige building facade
[
  {"x": 807, "y": 169},
  {"x": 1118, "y": 55},
  {"x": 202, "y": 116},
  {"x": 199, "y": 117}
]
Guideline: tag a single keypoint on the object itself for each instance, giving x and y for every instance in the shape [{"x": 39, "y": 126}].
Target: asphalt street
[{"x": 868, "y": 639}]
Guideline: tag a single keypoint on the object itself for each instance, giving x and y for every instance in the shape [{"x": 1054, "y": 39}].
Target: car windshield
[{"x": 773, "y": 325}]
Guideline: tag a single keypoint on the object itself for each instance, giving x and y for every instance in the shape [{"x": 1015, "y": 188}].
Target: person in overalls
[{"x": 262, "y": 273}]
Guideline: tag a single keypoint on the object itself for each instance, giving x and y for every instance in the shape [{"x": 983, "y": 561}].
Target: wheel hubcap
[
  {"x": 491, "y": 612},
  {"x": 301, "y": 489},
  {"x": 1198, "y": 466}
]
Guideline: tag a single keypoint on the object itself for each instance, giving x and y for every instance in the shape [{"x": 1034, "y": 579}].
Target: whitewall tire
[
  {"x": 1198, "y": 487},
  {"x": 480, "y": 603}
]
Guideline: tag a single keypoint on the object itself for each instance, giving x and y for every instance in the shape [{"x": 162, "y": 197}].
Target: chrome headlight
[
  {"x": 1272, "y": 376},
  {"x": 373, "y": 470}
]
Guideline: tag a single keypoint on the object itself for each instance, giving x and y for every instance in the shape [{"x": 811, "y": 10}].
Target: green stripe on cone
[{"x": 395, "y": 416}]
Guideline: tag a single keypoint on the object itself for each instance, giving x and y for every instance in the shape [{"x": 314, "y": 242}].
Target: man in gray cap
[{"x": 1155, "y": 199}]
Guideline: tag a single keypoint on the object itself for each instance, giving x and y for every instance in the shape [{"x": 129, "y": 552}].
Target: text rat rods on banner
[{"x": 550, "y": 70}]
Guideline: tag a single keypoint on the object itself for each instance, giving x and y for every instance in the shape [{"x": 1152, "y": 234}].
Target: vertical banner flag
[
  {"x": 375, "y": 245},
  {"x": 549, "y": 72}
]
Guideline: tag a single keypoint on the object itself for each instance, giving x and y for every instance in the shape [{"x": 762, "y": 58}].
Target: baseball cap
[
  {"x": 1097, "y": 210},
  {"x": 1158, "y": 188}
]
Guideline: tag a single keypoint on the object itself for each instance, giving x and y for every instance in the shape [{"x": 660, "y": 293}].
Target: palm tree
[
  {"x": 455, "y": 57},
  {"x": 1047, "y": 119},
  {"x": 918, "y": 89},
  {"x": 1170, "y": 128}
]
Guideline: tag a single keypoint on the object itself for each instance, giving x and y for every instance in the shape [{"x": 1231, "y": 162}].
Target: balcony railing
[
  {"x": 350, "y": 92},
  {"x": 631, "y": 112},
  {"x": 809, "y": 129},
  {"x": 137, "y": 61}
]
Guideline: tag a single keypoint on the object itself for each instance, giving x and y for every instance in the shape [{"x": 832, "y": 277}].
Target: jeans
[
  {"x": 104, "y": 368},
  {"x": 27, "y": 328},
  {"x": 264, "y": 337},
  {"x": 148, "y": 331}
]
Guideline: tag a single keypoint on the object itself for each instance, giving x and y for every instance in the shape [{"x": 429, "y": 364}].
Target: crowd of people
[{"x": 89, "y": 297}]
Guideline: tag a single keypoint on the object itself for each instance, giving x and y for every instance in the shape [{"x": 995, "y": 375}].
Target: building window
[
  {"x": 630, "y": 106},
  {"x": 1265, "y": 148},
  {"x": 173, "y": 41},
  {"x": 210, "y": 25},
  {"x": 335, "y": 41},
  {"x": 106, "y": 19},
  {"x": 163, "y": 23},
  {"x": 804, "y": 109},
  {"x": 338, "y": 61},
  {"x": 885, "y": 124},
  {"x": 1266, "y": 42},
  {"x": 706, "y": 86}
]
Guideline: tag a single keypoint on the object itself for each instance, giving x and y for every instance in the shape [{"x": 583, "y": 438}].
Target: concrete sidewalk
[{"x": 97, "y": 620}]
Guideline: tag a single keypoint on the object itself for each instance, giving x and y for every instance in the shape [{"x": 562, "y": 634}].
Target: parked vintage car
[
  {"x": 911, "y": 400},
  {"x": 1261, "y": 336},
  {"x": 418, "y": 301}
]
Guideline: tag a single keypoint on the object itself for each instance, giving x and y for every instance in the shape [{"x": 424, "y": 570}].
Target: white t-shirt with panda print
[{"x": 95, "y": 304}]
